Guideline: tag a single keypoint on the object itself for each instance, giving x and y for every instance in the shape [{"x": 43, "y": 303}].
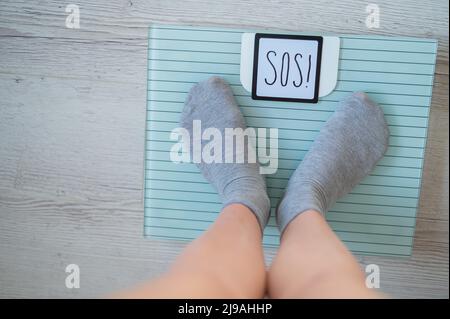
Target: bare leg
[
  {"x": 225, "y": 262},
  {"x": 313, "y": 263}
]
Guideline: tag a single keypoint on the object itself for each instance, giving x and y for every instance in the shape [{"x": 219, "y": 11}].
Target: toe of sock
[
  {"x": 362, "y": 101},
  {"x": 216, "y": 81},
  {"x": 202, "y": 97},
  {"x": 375, "y": 116},
  {"x": 361, "y": 108},
  {"x": 212, "y": 84}
]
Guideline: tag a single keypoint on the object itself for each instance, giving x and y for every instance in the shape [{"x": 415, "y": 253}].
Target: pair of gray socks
[{"x": 346, "y": 150}]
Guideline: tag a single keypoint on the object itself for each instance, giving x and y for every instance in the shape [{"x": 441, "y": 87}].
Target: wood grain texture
[{"x": 72, "y": 112}]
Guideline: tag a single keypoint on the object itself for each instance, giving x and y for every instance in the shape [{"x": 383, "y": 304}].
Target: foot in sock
[
  {"x": 346, "y": 150},
  {"x": 213, "y": 103}
]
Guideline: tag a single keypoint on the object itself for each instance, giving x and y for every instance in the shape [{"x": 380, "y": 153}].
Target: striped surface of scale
[{"x": 377, "y": 217}]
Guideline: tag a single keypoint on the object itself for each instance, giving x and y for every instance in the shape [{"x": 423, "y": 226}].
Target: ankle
[{"x": 308, "y": 216}]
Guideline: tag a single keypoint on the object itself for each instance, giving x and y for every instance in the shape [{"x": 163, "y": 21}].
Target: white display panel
[{"x": 286, "y": 67}]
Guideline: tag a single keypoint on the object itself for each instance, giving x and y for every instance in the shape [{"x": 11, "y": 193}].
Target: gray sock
[
  {"x": 346, "y": 150},
  {"x": 213, "y": 103}
]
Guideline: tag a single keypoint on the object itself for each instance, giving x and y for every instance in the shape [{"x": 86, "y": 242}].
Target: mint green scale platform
[{"x": 377, "y": 218}]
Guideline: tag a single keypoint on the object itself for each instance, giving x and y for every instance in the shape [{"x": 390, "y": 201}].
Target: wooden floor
[{"x": 72, "y": 114}]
